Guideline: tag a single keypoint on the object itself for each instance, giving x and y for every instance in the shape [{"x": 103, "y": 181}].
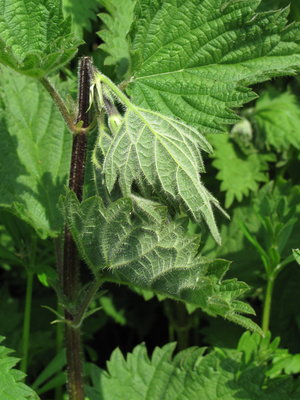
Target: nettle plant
[{"x": 186, "y": 66}]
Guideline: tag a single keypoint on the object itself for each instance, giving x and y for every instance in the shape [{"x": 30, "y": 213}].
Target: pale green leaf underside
[
  {"x": 11, "y": 385},
  {"x": 240, "y": 174},
  {"x": 34, "y": 37},
  {"x": 153, "y": 256},
  {"x": 35, "y": 153},
  {"x": 277, "y": 117},
  {"x": 152, "y": 147},
  {"x": 195, "y": 58},
  {"x": 117, "y": 22},
  {"x": 189, "y": 375}
]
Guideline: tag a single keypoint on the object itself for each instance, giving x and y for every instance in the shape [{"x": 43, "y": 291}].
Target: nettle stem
[
  {"x": 267, "y": 304},
  {"x": 70, "y": 270},
  {"x": 26, "y": 322},
  {"x": 28, "y": 303}
]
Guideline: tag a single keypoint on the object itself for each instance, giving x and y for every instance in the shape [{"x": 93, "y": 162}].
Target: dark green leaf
[
  {"x": 35, "y": 157},
  {"x": 195, "y": 58},
  {"x": 35, "y": 38}
]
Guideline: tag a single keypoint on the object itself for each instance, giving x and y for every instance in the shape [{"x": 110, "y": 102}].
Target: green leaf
[
  {"x": 190, "y": 375},
  {"x": 195, "y": 58},
  {"x": 285, "y": 309},
  {"x": 296, "y": 253},
  {"x": 275, "y": 4},
  {"x": 35, "y": 39},
  {"x": 277, "y": 118},
  {"x": 117, "y": 22},
  {"x": 257, "y": 349},
  {"x": 52, "y": 370},
  {"x": 267, "y": 5},
  {"x": 152, "y": 256},
  {"x": 240, "y": 173},
  {"x": 161, "y": 151},
  {"x": 110, "y": 309},
  {"x": 36, "y": 149},
  {"x": 11, "y": 385},
  {"x": 82, "y": 13}
]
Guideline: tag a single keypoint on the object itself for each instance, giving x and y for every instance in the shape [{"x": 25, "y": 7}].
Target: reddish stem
[{"x": 71, "y": 266}]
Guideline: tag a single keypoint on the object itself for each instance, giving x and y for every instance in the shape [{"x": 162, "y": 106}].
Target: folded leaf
[
  {"x": 163, "y": 151},
  {"x": 153, "y": 256}
]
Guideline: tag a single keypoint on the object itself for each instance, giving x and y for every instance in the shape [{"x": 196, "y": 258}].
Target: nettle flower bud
[
  {"x": 114, "y": 117},
  {"x": 114, "y": 122}
]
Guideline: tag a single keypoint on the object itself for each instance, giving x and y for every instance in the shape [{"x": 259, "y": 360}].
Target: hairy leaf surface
[
  {"x": 162, "y": 151},
  {"x": 195, "y": 58},
  {"x": 35, "y": 153},
  {"x": 189, "y": 375},
  {"x": 11, "y": 385},
  {"x": 240, "y": 173},
  {"x": 35, "y": 39},
  {"x": 152, "y": 256}
]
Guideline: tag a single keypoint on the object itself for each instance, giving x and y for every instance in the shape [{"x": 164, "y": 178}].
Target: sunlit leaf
[
  {"x": 195, "y": 58},
  {"x": 192, "y": 375},
  {"x": 35, "y": 38}
]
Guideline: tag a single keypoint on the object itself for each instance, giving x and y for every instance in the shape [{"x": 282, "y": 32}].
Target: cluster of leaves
[
  {"x": 186, "y": 66},
  {"x": 155, "y": 256},
  {"x": 191, "y": 374},
  {"x": 11, "y": 379}
]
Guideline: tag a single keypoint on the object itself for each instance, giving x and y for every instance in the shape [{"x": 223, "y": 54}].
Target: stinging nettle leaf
[
  {"x": 117, "y": 22},
  {"x": 161, "y": 150},
  {"x": 192, "y": 374},
  {"x": 277, "y": 118},
  {"x": 82, "y": 13},
  {"x": 195, "y": 58},
  {"x": 153, "y": 256},
  {"x": 240, "y": 173},
  {"x": 35, "y": 39},
  {"x": 36, "y": 149},
  {"x": 11, "y": 380}
]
